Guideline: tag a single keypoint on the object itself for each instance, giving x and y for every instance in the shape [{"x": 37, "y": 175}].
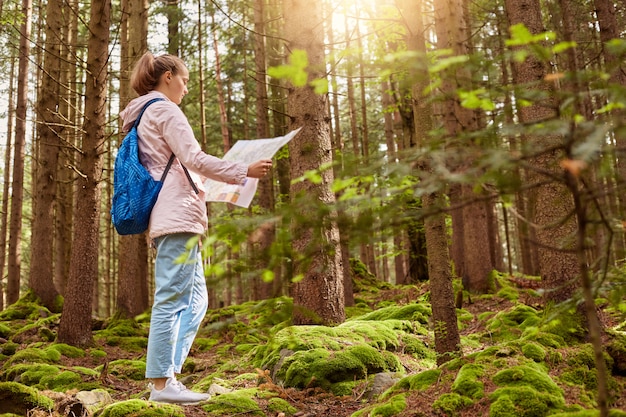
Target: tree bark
[
  {"x": 75, "y": 325},
  {"x": 4, "y": 224},
  {"x": 319, "y": 295},
  {"x": 470, "y": 226},
  {"x": 447, "y": 339},
  {"x": 50, "y": 131},
  {"x": 17, "y": 183},
  {"x": 551, "y": 203},
  {"x": 131, "y": 297}
]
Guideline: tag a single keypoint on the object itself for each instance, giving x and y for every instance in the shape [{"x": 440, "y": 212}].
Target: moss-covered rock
[
  {"x": 449, "y": 404},
  {"x": 525, "y": 375},
  {"x": 33, "y": 355},
  {"x": 568, "y": 324},
  {"x": 590, "y": 413},
  {"x": 30, "y": 373},
  {"x": 234, "y": 403},
  {"x": 468, "y": 383},
  {"x": 278, "y": 405},
  {"x": 390, "y": 407},
  {"x": 67, "y": 350},
  {"x": 140, "y": 408},
  {"x": 62, "y": 381},
  {"x": 509, "y": 324},
  {"x": 19, "y": 399},
  {"x": 524, "y": 401},
  {"x": 617, "y": 350},
  {"x": 5, "y": 331},
  {"x": 420, "y": 381},
  {"x": 8, "y": 348},
  {"x": 125, "y": 368},
  {"x": 128, "y": 343},
  {"x": 411, "y": 312},
  {"x": 382, "y": 335},
  {"x": 534, "y": 351},
  {"x": 319, "y": 367},
  {"x": 549, "y": 340}
]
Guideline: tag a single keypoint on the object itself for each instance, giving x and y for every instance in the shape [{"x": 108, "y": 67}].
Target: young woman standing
[{"x": 180, "y": 297}]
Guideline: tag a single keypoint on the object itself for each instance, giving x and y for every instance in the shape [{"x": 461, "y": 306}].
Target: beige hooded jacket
[{"x": 164, "y": 130}]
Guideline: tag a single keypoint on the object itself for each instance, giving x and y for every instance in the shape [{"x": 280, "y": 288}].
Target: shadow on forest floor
[{"x": 518, "y": 360}]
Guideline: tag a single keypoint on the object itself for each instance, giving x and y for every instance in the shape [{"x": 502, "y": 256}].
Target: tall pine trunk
[
  {"x": 75, "y": 325},
  {"x": 131, "y": 297},
  {"x": 319, "y": 296},
  {"x": 549, "y": 204},
  {"x": 50, "y": 132},
  {"x": 447, "y": 339},
  {"x": 17, "y": 183}
]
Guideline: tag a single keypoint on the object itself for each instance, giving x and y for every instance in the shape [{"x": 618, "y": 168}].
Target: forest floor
[{"x": 316, "y": 402}]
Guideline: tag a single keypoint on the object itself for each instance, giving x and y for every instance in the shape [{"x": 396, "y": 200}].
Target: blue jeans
[{"x": 180, "y": 302}]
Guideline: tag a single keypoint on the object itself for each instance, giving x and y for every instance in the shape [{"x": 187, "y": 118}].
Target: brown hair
[{"x": 149, "y": 69}]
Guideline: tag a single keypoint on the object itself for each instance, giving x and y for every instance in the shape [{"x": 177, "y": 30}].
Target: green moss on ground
[
  {"x": 590, "y": 413},
  {"x": 388, "y": 408},
  {"x": 235, "y": 403},
  {"x": 525, "y": 390},
  {"x": 418, "y": 382},
  {"x": 468, "y": 383},
  {"x": 140, "y": 408},
  {"x": 34, "y": 355},
  {"x": 449, "y": 404},
  {"x": 509, "y": 324},
  {"x": 523, "y": 401},
  {"x": 19, "y": 399},
  {"x": 30, "y": 373},
  {"x": 321, "y": 368},
  {"x": 278, "y": 405},
  {"x": 534, "y": 351},
  {"x": 126, "y": 368},
  {"x": 419, "y": 313}
]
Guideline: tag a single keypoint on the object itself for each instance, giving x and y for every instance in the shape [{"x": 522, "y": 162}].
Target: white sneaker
[{"x": 176, "y": 393}]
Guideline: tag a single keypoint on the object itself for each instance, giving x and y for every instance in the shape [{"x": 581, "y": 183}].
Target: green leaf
[
  {"x": 610, "y": 107},
  {"x": 267, "y": 276},
  {"x": 320, "y": 85},
  {"x": 473, "y": 100},
  {"x": 563, "y": 46},
  {"x": 521, "y": 36},
  {"x": 445, "y": 63},
  {"x": 294, "y": 71}
]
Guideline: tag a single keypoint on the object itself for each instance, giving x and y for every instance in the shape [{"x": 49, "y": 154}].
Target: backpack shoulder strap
[
  {"x": 167, "y": 169},
  {"x": 144, "y": 109}
]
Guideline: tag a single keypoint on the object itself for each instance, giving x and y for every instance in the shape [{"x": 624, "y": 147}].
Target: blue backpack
[{"x": 134, "y": 190}]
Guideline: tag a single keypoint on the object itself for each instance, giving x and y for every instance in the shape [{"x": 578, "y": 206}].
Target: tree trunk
[
  {"x": 262, "y": 290},
  {"x": 132, "y": 296},
  {"x": 469, "y": 221},
  {"x": 17, "y": 184},
  {"x": 447, "y": 339},
  {"x": 319, "y": 296},
  {"x": 50, "y": 129},
  {"x": 75, "y": 325},
  {"x": 65, "y": 188},
  {"x": 609, "y": 29},
  {"x": 4, "y": 224},
  {"x": 173, "y": 13},
  {"x": 551, "y": 203}
]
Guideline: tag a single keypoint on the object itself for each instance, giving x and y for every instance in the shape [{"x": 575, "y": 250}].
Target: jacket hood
[{"x": 132, "y": 110}]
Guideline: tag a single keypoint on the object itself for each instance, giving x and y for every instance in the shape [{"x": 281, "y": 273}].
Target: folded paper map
[{"x": 246, "y": 151}]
